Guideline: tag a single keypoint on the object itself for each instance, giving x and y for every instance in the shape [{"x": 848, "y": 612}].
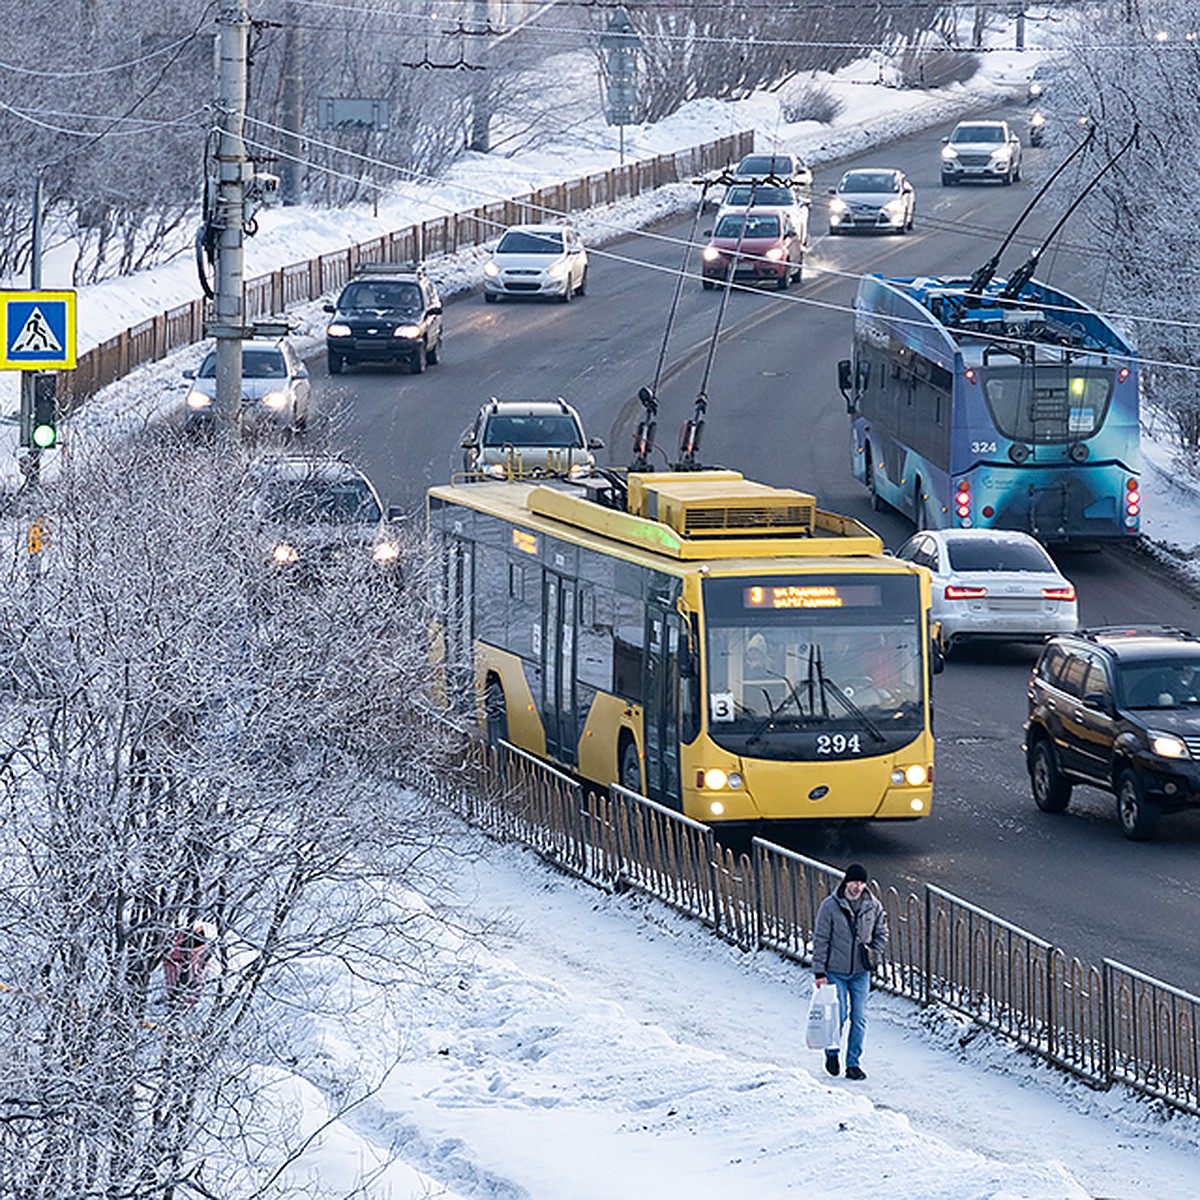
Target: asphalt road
[{"x": 774, "y": 412}]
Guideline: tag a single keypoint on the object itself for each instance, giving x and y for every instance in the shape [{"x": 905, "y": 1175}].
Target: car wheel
[
  {"x": 1138, "y": 816},
  {"x": 335, "y": 364},
  {"x": 497, "y": 714},
  {"x": 1008, "y": 177},
  {"x": 434, "y": 356},
  {"x": 490, "y": 297},
  {"x": 785, "y": 280},
  {"x": 568, "y": 291},
  {"x": 581, "y": 290},
  {"x": 418, "y": 360},
  {"x": 1051, "y": 792},
  {"x": 631, "y": 768},
  {"x": 947, "y": 181}
]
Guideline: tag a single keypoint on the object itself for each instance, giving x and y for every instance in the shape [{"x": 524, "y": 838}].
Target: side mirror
[
  {"x": 302, "y": 372},
  {"x": 395, "y": 512},
  {"x": 595, "y": 443},
  {"x": 468, "y": 442},
  {"x": 1097, "y": 700},
  {"x": 707, "y": 233},
  {"x": 945, "y": 141},
  {"x": 329, "y": 308},
  {"x": 833, "y": 191},
  {"x": 436, "y": 310},
  {"x": 190, "y": 373}
]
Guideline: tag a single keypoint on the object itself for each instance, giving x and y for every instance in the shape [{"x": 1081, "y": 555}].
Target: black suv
[
  {"x": 1117, "y": 709},
  {"x": 386, "y": 313}
]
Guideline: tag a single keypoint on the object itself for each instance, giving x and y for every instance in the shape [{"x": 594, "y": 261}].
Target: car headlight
[
  {"x": 1037, "y": 120},
  {"x": 949, "y": 152},
  {"x": 407, "y": 331},
  {"x": 491, "y": 270},
  {"x": 579, "y": 470},
  {"x": 557, "y": 269},
  {"x": 497, "y": 470},
  {"x": 711, "y": 254},
  {"x": 775, "y": 253},
  {"x": 198, "y": 400},
  {"x": 837, "y": 206},
  {"x": 386, "y": 552},
  {"x": 338, "y": 330},
  {"x": 894, "y": 208},
  {"x": 284, "y": 553},
  {"x": 1167, "y": 745},
  {"x": 275, "y": 400},
  {"x": 1001, "y": 157}
]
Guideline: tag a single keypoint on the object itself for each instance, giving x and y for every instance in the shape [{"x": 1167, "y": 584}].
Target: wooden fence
[
  {"x": 273, "y": 294},
  {"x": 1104, "y": 1025}
]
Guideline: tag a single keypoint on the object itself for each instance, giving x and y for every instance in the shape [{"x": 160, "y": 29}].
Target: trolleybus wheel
[
  {"x": 631, "y": 768},
  {"x": 497, "y": 714}
]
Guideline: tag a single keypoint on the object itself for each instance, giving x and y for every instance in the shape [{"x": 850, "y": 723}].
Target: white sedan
[
  {"x": 536, "y": 260},
  {"x": 993, "y": 583}
]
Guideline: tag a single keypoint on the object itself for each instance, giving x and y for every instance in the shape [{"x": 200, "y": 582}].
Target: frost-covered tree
[
  {"x": 198, "y": 765},
  {"x": 1138, "y": 68}
]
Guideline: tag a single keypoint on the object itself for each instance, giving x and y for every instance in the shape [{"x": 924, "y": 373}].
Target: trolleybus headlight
[
  {"x": 716, "y": 808},
  {"x": 915, "y": 775},
  {"x": 735, "y": 780},
  {"x": 916, "y": 804},
  {"x": 715, "y": 779},
  {"x": 1168, "y": 746}
]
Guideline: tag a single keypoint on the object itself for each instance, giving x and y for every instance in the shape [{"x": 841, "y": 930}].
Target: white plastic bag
[{"x": 823, "y": 1029}]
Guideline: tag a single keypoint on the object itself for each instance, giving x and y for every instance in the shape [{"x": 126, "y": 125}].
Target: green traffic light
[{"x": 44, "y": 436}]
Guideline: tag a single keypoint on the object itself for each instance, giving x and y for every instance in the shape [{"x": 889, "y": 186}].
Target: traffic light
[{"x": 44, "y": 429}]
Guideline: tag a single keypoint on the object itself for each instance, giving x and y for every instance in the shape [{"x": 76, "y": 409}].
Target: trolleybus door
[
  {"x": 460, "y": 611},
  {"x": 661, "y": 725},
  {"x": 558, "y": 667}
]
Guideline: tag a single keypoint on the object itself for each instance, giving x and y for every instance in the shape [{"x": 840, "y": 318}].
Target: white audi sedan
[
  {"x": 536, "y": 260},
  {"x": 993, "y": 583}
]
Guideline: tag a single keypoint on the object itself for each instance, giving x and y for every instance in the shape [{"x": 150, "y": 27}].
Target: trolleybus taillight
[
  {"x": 1122, "y": 374},
  {"x": 1133, "y": 502},
  {"x": 962, "y": 501}
]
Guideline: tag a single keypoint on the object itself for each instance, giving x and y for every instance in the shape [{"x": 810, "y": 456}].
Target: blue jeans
[{"x": 853, "y": 991}]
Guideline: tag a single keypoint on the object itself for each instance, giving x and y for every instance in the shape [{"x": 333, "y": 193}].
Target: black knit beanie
[{"x": 855, "y": 871}]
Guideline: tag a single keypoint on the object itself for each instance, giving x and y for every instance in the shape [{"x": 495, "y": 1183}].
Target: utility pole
[
  {"x": 229, "y": 324},
  {"x": 481, "y": 100},
  {"x": 293, "y": 113},
  {"x": 33, "y": 464}
]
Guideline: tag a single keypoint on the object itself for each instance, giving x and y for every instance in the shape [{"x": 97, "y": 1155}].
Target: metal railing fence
[
  {"x": 1104, "y": 1025},
  {"x": 272, "y": 294}
]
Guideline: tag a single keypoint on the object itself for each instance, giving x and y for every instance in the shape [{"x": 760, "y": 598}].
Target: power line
[{"x": 93, "y": 71}]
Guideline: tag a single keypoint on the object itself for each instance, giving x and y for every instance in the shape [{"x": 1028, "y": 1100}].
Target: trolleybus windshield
[{"x": 814, "y": 666}]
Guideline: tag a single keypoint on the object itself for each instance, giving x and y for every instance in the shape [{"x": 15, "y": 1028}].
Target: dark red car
[{"x": 756, "y": 246}]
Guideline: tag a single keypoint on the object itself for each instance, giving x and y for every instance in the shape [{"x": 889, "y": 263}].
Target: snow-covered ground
[{"x": 598, "y": 1046}]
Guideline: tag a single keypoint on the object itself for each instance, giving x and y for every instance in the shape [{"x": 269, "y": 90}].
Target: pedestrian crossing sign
[{"x": 37, "y": 331}]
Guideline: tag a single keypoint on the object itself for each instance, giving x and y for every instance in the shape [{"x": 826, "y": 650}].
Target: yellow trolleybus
[{"x": 723, "y": 647}]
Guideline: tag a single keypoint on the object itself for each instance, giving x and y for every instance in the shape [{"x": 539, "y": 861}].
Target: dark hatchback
[
  {"x": 385, "y": 315},
  {"x": 1117, "y": 709}
]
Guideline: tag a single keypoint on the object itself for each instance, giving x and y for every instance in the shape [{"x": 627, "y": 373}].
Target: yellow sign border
[{"x": 66, "y": 360}]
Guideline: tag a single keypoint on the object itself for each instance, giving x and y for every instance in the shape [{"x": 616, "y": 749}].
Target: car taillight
[
  {"x": 959, "y": 592},
  {"x": 1059, "y": 593}
]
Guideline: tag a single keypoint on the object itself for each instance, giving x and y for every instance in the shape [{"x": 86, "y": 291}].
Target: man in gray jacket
[{"x": 851, "y": 938}]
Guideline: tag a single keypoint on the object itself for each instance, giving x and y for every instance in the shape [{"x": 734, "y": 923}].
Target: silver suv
[
  {"x": 513, "y": 439},
  {"x": 981, "y": 150}
]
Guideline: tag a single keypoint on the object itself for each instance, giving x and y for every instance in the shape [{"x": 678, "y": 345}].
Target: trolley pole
[{"x": 229, "y": 325}]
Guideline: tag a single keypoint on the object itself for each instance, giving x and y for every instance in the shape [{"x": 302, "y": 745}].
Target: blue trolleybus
[{"x": 983, "y": 409}]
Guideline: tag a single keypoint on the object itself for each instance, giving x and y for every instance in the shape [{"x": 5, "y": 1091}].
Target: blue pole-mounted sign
[
  {"x": 37, "y": 331},
  {"x": 621, "y": 44}
]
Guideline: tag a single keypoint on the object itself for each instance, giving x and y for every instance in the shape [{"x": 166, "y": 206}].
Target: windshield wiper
[{"x": 828, "y": 686}]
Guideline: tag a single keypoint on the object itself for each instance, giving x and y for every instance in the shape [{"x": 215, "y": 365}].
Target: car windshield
[
  {"x": 549, "y": 430},
  {"x": 734, "y": 225},
  {"x": 319, "y": 501},
  {"x": 999, "y": 554},
  {"x": 869, "y": 181},
  {"x": 978, "y": 133},
  {"x": 743, "y": 195},
  {"x": 524, "y": 241},
  {"x": 256, "y": 364},
  {"x": 766, "y": 164},
  {"x": 1168, "y": 683},
  {"x": 378, "y": 296}
]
